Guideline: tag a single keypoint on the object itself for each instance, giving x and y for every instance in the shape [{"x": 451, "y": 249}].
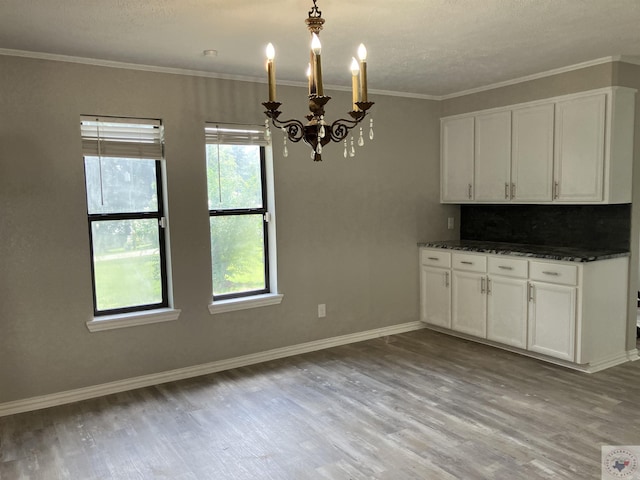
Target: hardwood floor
[{"x": 420, "y": 405}]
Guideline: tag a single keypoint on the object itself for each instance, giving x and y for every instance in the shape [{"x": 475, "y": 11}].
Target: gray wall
[{"x": 347, "y": 228}]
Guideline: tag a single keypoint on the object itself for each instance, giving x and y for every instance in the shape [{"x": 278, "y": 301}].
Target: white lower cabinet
[
  {"x": 507, "y": 311},
  {"x": 552, "y": 320},
  {"x": 575, "y": 312},
  {"x": 435, "y": 291},
  {"x": 469, "y": 303},
  {"x": 489, "y": 298},
  {"x": 435, "y": 296},
  {"x": 507, "y": 300}
]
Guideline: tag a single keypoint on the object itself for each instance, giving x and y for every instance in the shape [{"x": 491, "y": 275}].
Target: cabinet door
[
  {"x": 507, "y": 311},
  {"x": 579, "y": 166},
  {"x": 552, "y": 320},
  {"x": 457, "y": 160},
  {"x": 493, "y": 157},
  {"x": 435, "y": 296},
  {"x": 532, "y": 154},
  {"x": 469, "y": 303}
]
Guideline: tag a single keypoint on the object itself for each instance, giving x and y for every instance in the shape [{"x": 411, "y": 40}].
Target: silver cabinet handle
[
  {"x": 554, "y": 274},
  {"x": 466, "y": 262},
  {"x": 446, "y": 279},
  {"x": 434, "y": 258},
  {"x": 482, "y": 285},
  {"x": 506, "y": 190},
  {"x": 530, "y": 293},
  {"x": 470, "y": 192},
  {"x": 488, "y": 286},
  {"x": 504, "y": 267},
  {"x": 513, "y": 190},
  {"x": 556, "y": 190}
]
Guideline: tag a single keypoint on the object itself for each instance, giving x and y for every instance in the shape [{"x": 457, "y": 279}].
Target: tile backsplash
[{"x": 581, "y": 226}]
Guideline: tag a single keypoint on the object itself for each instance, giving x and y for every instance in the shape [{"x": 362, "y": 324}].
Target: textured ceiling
[{"x": 429, "y": 47}]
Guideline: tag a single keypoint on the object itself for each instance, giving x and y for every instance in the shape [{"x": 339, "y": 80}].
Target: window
[
  {"x": 125, "y": 207},
  {"x": 239, "y": 218}
]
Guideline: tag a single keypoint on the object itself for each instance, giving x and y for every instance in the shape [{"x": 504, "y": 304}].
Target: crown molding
[
  {"x": 127, "y": 66},
  {"x": 242, "y": 78},
  {"x": 534, "y": 76},
  {"x": 181, "y": 71},
  {"x": 390, "y": 93}
]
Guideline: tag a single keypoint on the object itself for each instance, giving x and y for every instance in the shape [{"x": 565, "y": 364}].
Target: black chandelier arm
[
  {"x": 341, "y": 127},
  {"x": 294, "y": 128}
]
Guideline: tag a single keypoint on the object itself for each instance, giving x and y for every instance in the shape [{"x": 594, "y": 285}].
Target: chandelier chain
[{"x": 314, "y": 12}]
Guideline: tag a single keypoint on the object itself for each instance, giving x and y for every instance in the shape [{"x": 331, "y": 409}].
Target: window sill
[
  {"x": 244, "y": 303},
  {"x": 133, "y": 319}
]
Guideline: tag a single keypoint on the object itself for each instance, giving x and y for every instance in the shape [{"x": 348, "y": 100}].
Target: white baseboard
[
  {"x": 619, "y": 359},
  {"x": 70, "y": 396},
  {"x": 633, "y": 355}
]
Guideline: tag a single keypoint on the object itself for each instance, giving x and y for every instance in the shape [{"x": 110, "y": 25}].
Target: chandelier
[{"x": 317, "y": 132}]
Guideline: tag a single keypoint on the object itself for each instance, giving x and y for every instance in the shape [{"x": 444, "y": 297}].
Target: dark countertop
[{"x": 567, "y": 254}]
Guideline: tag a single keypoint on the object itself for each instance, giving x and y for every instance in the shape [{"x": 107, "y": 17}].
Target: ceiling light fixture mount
[{"x": 316, "y": 132}]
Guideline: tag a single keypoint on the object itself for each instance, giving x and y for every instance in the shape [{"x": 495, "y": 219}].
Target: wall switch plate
[
  {"x": 450, "y": 223},
  {"x": 322, "y": 310}
]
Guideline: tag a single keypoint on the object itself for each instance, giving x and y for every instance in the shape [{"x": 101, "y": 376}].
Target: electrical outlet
[
  {"x": 450, "y": 223},
  {"x": 322, "y": 310}
]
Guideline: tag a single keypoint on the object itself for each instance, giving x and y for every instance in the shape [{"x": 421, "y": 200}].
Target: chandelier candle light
[{"x": 317, "y": 133}]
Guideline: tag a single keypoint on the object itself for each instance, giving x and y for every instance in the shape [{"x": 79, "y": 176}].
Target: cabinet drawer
[
  {"x": 471, "y": 263},
  {"x": 554, "y": 273},
  {"x": 435, "y": 258},
  {"x": 508, "y": 267}
]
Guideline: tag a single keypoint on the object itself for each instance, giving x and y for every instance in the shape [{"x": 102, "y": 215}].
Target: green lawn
[{"x": 129, "y": 281}]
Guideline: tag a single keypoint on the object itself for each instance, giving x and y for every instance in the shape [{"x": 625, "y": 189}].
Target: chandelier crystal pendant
[{"x": 317, "y": 132}]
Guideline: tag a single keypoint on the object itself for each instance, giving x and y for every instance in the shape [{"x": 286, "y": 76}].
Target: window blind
[
  {"x": 235, "y": 134},
  {"x": 122, "y": 137}
]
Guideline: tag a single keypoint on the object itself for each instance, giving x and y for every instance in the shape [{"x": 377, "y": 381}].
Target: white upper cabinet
[
  {"x": 618, "y": 145},
  {"x": 580, "y": 133},
  {"x": 532, "y": 154},
  {"x": 594, "y": 147},
  {"x": 456, "y": 162},
  {"x": 493, "y": 157},
  {"x": 572, "y": 149}
]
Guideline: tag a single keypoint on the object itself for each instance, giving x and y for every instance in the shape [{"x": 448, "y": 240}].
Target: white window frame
[
  {"x": 257, "y": 135},
  {"x": 119, "y": 145}
]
